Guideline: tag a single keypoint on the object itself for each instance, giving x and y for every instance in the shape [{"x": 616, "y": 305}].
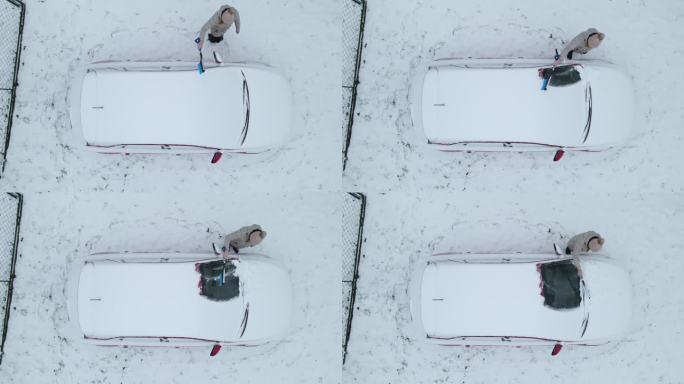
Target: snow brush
[
  {"x": 200, "y": 65},
  {"x": 545, "y": 79}
]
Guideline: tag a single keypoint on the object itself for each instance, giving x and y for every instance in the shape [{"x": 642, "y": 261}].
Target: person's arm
[
  {"x": 231, "y": 251},
  {"x": 229, "y": 242},
  {"x": 564, "y": 53},
  {"x": 237, "y": 20}
]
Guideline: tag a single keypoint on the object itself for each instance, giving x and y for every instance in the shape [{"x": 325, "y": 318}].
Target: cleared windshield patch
[
  {"x": 219, "y": 281},
  {"x": 560, "y": 284},
  {"x": 561, "y": 76}
]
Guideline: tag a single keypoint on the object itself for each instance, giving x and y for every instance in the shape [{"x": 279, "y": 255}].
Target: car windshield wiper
[
  {"x": 245, "y": 104},
  {"x": 585, "y": 321},
  {"x": 588, "y": 99},
  {"x": 245, "y": 317}
]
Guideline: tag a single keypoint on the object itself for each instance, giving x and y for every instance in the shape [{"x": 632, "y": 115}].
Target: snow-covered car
[
  {"x": 499, "y": 105},
  {"x": 168, "y": 107},
  {"x": 517, "y": 299},
  {"x": 153, "y": 299}
]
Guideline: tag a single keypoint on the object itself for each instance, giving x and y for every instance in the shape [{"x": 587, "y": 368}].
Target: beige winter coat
[
  {"x": 578, "y": 44},
  {"x": 580, "y": 243},
  {"x": 216, "y": 26},
  {"x": 239, "y": 239}
]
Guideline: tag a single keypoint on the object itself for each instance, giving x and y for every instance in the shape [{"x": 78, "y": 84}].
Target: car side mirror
[
  {"x": 558, "y": 155},
  {"x": 556, "y": 349},
  {"x": 215, "y": 350},
  {"x": 217, "y": 156}
]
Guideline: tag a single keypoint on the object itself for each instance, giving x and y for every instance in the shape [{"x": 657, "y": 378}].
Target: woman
[{"x": 217, "y": 26}]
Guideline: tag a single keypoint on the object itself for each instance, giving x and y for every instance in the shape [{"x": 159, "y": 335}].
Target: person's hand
[
  {"x": 556, "y": 63},
  {"x": 200, "y": 45}
]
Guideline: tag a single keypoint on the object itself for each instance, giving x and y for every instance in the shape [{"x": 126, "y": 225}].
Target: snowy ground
[
  {"x": 422, "y": 201},
  {"x": 58, "y": 228},
  {"x": 643, "y": 37},
  {"x": 643, "y": 231},
  {"x": 60, "y": 37}
]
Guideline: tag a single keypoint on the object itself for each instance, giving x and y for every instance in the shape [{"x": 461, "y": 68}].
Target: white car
[
  {"x": 498, "y": 105},
  {"x": 153, "y": 299},
  {"x": 517, "y": 299},
  {"x": 168, "y": 107}
]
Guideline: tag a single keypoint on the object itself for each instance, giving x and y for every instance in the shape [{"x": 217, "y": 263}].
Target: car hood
[
  {"x": 610, "y": 298},
  {"x": 268, "y": 291},
  {"x": 611, "y": 94},
  {"x": 267, "y": 103}
]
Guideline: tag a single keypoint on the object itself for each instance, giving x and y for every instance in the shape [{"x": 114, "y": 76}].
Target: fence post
[
  {"x": 10, "y": 220},
  {"x": 353, "y": 217},
  {"x": 356, "y": 53},
  {"x": 12, "y": 28}
]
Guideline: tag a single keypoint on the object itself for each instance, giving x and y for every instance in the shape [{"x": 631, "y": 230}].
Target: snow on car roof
[
  {"x": 461, "y": 299},
  {"x": 152, "y": 299},
  {"x": 500, "y": 104},
  {"x": 163, "y": 107}
]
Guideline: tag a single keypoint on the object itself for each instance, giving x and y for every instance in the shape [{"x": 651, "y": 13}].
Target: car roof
[
  {"x": 152, "y": 299},
  {"x": 143, "y": 299},
  {"x": 163, "y": 107},
  {"x": 500, "y": 104},
  {"x": 467, "y": 299}
]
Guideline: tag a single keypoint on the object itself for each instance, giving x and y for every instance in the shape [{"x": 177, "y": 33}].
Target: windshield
[
  {"x": 219, "y": 281},
  {"x": 561, "y": 76},
  {"x": 560, "y": 284}
]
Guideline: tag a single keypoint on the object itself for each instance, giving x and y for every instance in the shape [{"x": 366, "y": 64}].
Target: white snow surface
[
  {"x": 61, "y": 37},
  {"x": 43, "y": 346}
]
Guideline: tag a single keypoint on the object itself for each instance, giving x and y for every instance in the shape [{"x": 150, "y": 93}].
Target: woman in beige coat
[
  {"x": 247, "y": 236},
  {"x": 582, "y": 44},
  {"x": 584, "y": 242},
  {"x": 217, "y": 26}
]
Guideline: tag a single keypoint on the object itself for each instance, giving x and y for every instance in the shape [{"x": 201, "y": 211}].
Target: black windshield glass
[
  {"x": 218, "y": 281},
  {"x": 560, "y": 285},
  {"x": 561, "y": 76}
]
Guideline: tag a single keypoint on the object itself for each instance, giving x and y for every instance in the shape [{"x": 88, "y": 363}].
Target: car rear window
[{"x": 560, "y": 284}]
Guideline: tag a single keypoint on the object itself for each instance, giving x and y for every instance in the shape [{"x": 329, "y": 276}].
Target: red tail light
[
  {"x": 215, "y": 349},
  {"x": 558, "y": 155},
  {"x": 216, "y": 158},
  {"x": 556, "y": 349}
]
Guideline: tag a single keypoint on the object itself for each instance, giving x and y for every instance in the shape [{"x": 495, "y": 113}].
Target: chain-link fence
[
  {"x": 11, "y": 27},
  {"x": 10, "y": 217},
  {"x": 353, "y": 21},
  {"x": 353, "y": 214}
]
